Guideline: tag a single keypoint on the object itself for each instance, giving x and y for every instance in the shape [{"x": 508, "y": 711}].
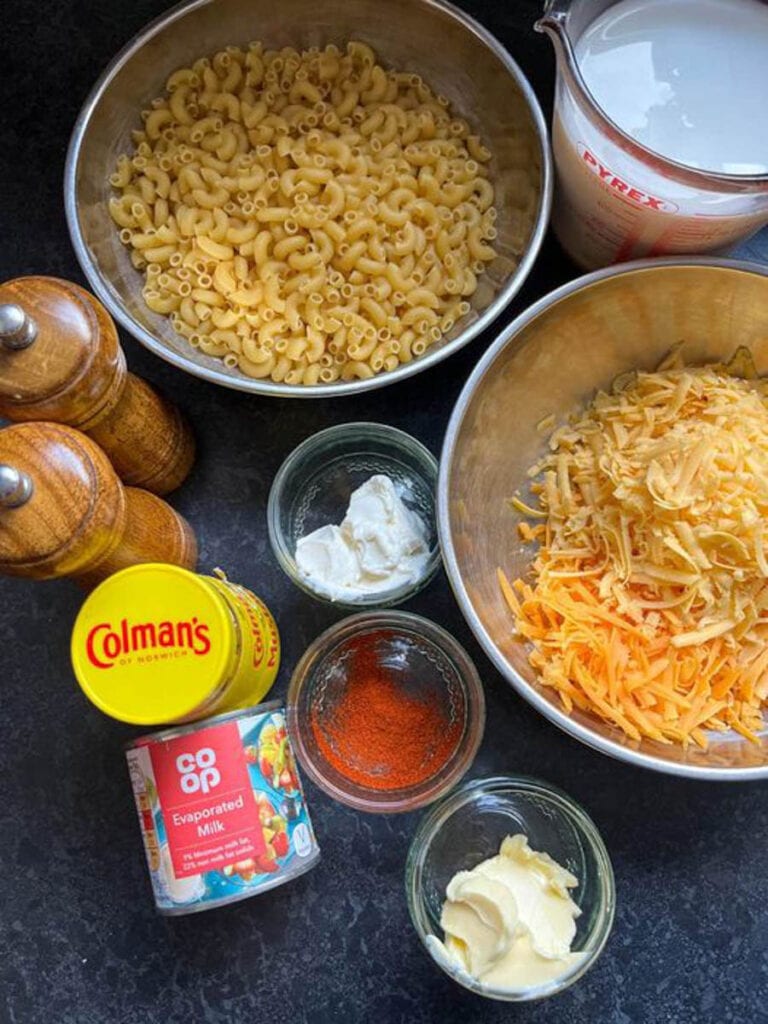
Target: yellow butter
[{"x": 510, "y": 921}]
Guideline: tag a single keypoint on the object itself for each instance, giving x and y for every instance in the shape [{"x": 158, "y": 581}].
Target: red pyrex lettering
[
  {"x": 105, "y": 644},
  {"x": 618, "y": 184}
]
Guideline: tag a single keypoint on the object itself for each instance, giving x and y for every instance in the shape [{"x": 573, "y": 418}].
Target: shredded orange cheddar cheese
[{"x": 648, "y": 603}]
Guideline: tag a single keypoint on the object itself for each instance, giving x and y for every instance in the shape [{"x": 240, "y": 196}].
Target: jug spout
[
  {"x": 553, "y": 22},
  {"x": 554, "y": 16}
]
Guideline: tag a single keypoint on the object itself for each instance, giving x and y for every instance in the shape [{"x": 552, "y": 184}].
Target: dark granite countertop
[{"x": 81, "y": 943}]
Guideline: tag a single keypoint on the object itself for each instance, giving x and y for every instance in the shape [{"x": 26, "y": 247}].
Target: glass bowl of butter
[
  {"x": 510, "y": 888},
  {"x": 351, "y": 516}
]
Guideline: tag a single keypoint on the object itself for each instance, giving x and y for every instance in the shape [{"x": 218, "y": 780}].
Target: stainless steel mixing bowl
[
  {"x": 453, "y": 53},
  {"x": 550, "y": 360}
]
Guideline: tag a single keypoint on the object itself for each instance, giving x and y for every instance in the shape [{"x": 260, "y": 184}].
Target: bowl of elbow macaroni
[{"x": 308, "y": 199}]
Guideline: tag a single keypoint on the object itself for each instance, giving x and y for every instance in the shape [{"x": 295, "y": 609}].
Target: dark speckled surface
[{"x": 81, "y": 943}]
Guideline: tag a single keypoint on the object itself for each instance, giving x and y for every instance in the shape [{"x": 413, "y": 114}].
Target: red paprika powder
[{"x": 382, "y": 729}]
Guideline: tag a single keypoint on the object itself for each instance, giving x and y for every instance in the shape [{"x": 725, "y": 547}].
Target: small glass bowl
[
  {"x": 469, "y": 826},
  {"x": 425, "y": 660},
  {"x": 313, "y": 486}
]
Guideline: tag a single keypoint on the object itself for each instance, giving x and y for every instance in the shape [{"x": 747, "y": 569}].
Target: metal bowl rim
[
  {"x": 181, "y": 361},
  {"x": 581, "y": 732}
]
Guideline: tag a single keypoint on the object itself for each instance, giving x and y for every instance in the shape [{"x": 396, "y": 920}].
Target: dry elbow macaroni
[{"x": 307, "y": 217}]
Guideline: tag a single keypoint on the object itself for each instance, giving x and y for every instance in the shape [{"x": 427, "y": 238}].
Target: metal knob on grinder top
[
  {"x": 17, "y": 330},
  {"x": 15, "y": 487},
  {"x": 61, "y": 360}
]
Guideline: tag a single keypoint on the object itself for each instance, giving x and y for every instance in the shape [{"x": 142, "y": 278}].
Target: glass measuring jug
[{"x": 616, "y": 199}]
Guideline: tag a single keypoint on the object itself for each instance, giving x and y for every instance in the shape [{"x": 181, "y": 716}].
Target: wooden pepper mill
[
  {"x": 61, "y": 360},
  {"x": 64, "y": 512}
]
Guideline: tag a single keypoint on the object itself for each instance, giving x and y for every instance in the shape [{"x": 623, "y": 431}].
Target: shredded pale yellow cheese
[{"x": 649, "y": 603}]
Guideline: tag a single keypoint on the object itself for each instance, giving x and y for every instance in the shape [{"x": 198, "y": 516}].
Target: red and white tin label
[
  {"x": 211, "y": 817},
  {"x": 221, "y": 809}
]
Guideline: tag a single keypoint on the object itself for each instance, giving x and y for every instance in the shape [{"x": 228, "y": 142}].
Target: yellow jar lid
[{"x": 153, "y": 644}]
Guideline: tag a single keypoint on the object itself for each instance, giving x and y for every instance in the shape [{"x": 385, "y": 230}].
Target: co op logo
[{"x": 197, "y": 772}]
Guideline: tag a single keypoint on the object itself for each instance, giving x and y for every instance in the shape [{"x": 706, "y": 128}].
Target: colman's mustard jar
[{"x": 156, "y": 643}]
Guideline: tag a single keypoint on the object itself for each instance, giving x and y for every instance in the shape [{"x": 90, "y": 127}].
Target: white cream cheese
[
  {"x": 510, "y": 921},
  {"x": 380, "y": 545}
]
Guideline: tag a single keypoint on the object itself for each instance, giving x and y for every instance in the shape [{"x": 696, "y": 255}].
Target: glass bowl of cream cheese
[
  {"x": 510, "y": 888},
  {"x": 351, "y": 516}
]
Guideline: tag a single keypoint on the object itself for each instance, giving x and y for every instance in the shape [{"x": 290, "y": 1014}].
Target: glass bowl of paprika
[{"x": 386, "y": 711}]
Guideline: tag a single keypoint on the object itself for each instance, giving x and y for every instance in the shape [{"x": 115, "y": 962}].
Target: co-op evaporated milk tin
[
  {"x": 157, "y": 643},
  {"x": 221, "y": 809}
]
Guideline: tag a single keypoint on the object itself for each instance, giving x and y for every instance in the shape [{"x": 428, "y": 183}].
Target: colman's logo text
[{"x": 105, "y": 643}]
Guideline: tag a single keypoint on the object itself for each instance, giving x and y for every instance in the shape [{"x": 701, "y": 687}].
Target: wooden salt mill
[
  {"x": 61, "y": 360},
  {"x": 64, "y": 512}
]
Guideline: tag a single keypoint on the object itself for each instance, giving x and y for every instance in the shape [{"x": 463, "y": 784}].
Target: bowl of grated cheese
[{"x": 612, "y": 559}]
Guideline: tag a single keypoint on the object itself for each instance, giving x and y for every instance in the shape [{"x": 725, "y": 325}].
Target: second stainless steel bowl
[
  {"x": 452, "y": 52},
  {"x": 550, "y": 361}
]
